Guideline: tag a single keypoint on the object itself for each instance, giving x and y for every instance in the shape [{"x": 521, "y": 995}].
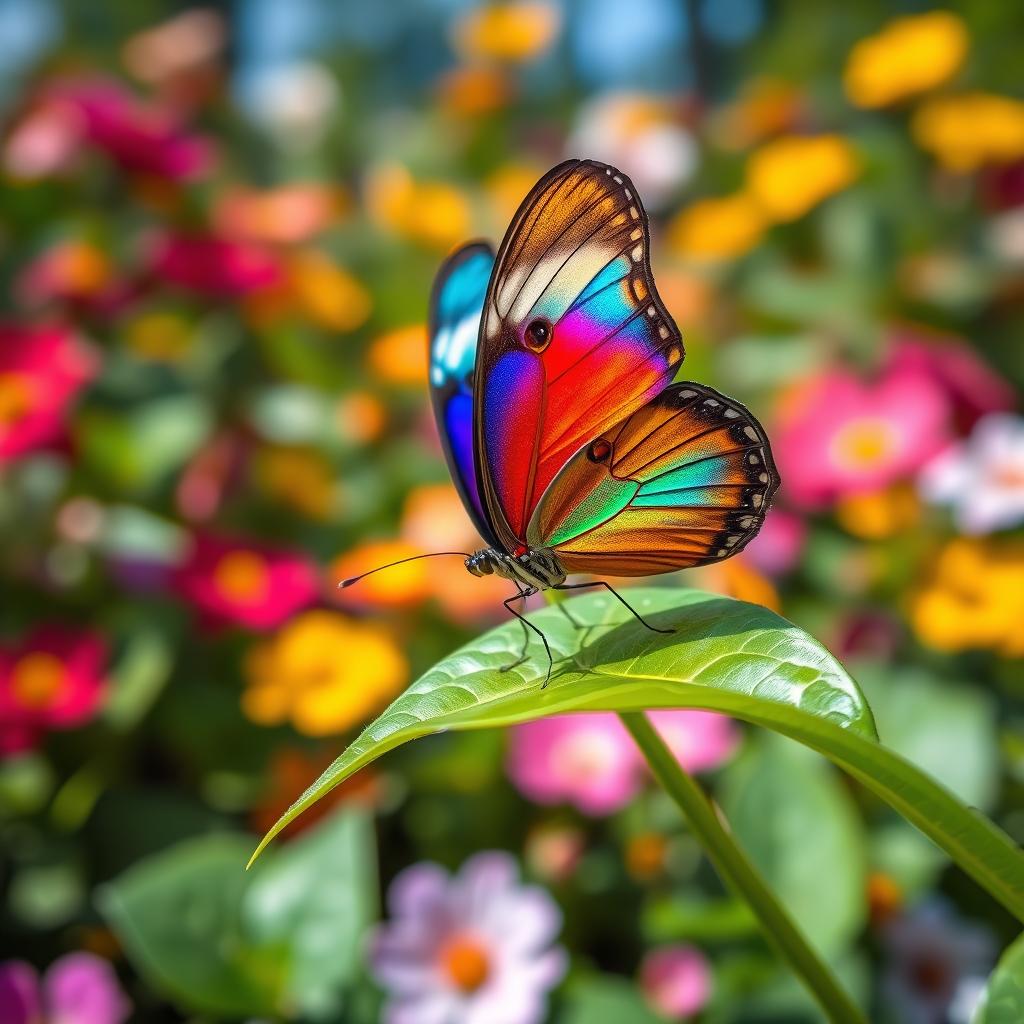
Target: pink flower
[
  {"x": 250, "y": 585},
  {"x": 840, "y": 435},
  {"x": 590, "y": 761},
  {"x": 676, "y": 980},
  {"x": 53, "y": 679},
  {"x": 982, "y": 478},
  {"x": 41, "y": 371},
  {"x": 213, "y": 267},
  {"x": 776, "y": 548},
  {"x": 467, "y": 949},
  {"x": 142, "y": 137},
  {"x": 79, "y": 988}
]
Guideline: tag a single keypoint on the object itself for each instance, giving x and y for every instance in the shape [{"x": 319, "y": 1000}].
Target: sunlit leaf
[{"x": 1003, "y": 1001}]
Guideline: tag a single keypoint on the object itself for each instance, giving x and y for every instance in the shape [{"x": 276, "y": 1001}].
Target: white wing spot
[
  {"x": 755, "y": 500},
  {"x": 751, "y": 433},
  {"x": 663, "y": 331},
  {"x": 763, "y": 478},
  {"x": 711, "y": 403},
  {"x": 637, "y": 253},
  {"x": 731, "y": 414}
]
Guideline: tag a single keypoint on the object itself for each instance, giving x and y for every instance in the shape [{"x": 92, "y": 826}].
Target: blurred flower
[
  {"x": 839, "y": 435},
  {"x": 293, "y": 770},
  {"x": 400, "y": 356},
  {"x": 876, "y": 515},
  {"x": 431, "y": 212},
  {"x": 79, "y": 988},
  {"x": 208, "y": 475},
  {"x": 676, "y": 980},
  {"x": 507, "y": 187},
  {"x": 213, "y": 267},
  {"x": 885, "y": 897},
  {"x": 323, "y": 672},
  {"x": 53, "y": 679},
  {"x": 967, "y": 132},
  {"x": 360, "y": 417},
  {"x": 143, "y": 138},
  {"x": 286, "y": 215},
  {"x": 295, "y": 103},
  {"x": 246, "y": 584},
  {"x": 474, "y": 90},
  {"x": 908, "y": 56},
  {"x": 717, "y": 229},
  {"x": 162, "y": 336},
  {"x": 512, "y": 32},
  {"x": 937, "y": 964},
  {"x": 972, "y": 598},
  {"x": 175, "y": 51},
  {"x": 765, "y": 107},
  {"x": 789, "y": 176},
  {"x": 472, "y": 947},
  {"x": 776, "y": 548},
  {"x": 396, "y": 587},
  {"x": 554, "y": 851},
  {"x": 641, "y": 134},
  {"x": 41, "y": 371},
  {"x": 300, "y": 478},
  {"x": 646, "y": 854},
  {"x": 71, "y": 271},
  {"x": 972, "y": 386},
  {"x": 738, "y": 578},
  {"x": 590, "y": 761},
  {"x": 982, "y": 477}
]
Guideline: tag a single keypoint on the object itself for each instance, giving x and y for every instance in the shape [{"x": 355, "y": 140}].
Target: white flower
[{"x": 982, "y": 478}]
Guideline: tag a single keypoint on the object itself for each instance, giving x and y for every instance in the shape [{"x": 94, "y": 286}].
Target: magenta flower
[
  {"x": 41, "y": 371},
  {"x": 590, "y": 761},
  {"x": 473, "y": 948},
  {"x": 79, "y": 988},
  {"x": 54, "y": 679},
  {"x": 244, "y": 584},
  {"x": 213, "y": 267},
  {"x": 676, "y": 981},
  {"x": 982, "y": 478},
  {"x": 776, "y": 548},
  {"x": 141, "y": 137},
  {"x": 840, "y": 435}
]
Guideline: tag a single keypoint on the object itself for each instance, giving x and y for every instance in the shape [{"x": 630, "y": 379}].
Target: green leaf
[
  {"x": 1003, "y": 1001},
  {"x": 726, "y": 656},
  {"x": 799, "y": 826},
  {"x": 219, "y": 941},
  {"x": 603, "y": 999}
]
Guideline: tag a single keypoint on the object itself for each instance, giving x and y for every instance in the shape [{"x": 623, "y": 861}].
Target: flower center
[
  {"x": 36, "y": 679},
  {"x": 15, "y": 398},
  {"x": 242, "y": 576},
  {"x": 1009, "y": 475},
  {"x": 865, "y": 443},
  {"x": 583, "y": 756},
  {"x": 465, "y": 962}
]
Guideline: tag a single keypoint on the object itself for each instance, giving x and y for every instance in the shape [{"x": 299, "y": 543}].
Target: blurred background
[{"x": 219, "y": 228}]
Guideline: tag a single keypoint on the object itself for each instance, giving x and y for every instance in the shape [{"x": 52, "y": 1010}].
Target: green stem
[{"x": 740, "y": 874}]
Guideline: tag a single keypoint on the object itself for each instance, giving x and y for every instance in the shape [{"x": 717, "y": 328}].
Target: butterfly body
[{"x": 551, "y": 367}]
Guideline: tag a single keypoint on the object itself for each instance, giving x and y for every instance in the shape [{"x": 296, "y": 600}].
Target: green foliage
[{"x": 1003, "y": 1002}]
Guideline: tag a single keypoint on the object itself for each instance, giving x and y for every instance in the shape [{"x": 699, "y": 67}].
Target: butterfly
[{"x": 551, "y": 368}]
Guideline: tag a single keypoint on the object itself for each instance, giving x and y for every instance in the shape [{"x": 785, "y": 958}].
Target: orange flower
[
  {"x": 322, "y": 672},
  {"x": 432, "y": 212},
  {"x": 509, "y": 32},
  {"x": 298, "y": 477},
  {"x": 875, "y": 515},
  {"x": 717, "y": 229},
  {"x": 474, "y": 91},
  {"x": 400, "y": 356},
  {"x": 360, "y": 417},
  {"x": 284, "y": 215},
  {"x": 967, "y": 132},
  {"x": 397, "y": 587},
  {"x": 908, "y": 56},
  {"x": 765, "y": 107},
  {"x": 791, "y": 175},
  {"x": 507, "y": 187}
]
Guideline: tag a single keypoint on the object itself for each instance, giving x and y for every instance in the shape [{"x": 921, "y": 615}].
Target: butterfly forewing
[
  {"x": 455, "y": 307},
  {"x": 683, "y": 481},
  {"x": 573, "y": 337}
]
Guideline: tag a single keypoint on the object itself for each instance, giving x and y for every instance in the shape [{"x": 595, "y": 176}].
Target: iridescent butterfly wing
[
  {"x": 455, "y": 307},
  {"x": 582, "y": 445}
]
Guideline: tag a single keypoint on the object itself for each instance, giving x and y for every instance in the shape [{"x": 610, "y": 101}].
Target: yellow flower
[
  {"x": 765, "y": 107},
  {"x": 876, "y": 515},
  {"x": 326, "y": 293},
  {"x": 162, "y": 337},
  {"x": 474, "y": 91},
  {"x": 909, "y": 56},
  {"x": 969, "y": 131},
  {"x": 322, "y": 672},
  {"x": 717, "y": 229},
  {"x": 791, "y": 175},
  {"x": 400, "y": 356},
  {"x": 298, "y": 477},
  {"x": 509, "y": 32},
  {"x": 974, "y": 598},
  {"x": 397, "y": 587},
  {"x": 431, "y": 212},
  {"x": 507, "y": 187}
]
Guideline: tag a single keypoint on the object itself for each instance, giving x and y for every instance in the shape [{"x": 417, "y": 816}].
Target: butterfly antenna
[{"x": 411, "y": 558}]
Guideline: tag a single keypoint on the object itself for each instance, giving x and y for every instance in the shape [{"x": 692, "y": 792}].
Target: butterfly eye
[
  {"x": 538, "y": 335},
  {"x": 599, "y": 450}
]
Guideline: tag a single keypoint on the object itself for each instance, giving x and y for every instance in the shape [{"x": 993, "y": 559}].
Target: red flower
[
  {"x": 214, "y": 267},
  {"x": 41, "y": 371},
  {"x": 53, "y": 679},
  {"x": 246, "y": 584}
]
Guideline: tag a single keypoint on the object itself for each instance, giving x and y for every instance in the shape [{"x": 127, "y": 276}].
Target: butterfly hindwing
[
  {"x": 573, "y": 337},
  {"x": 683, "y": 481},
  {"x": 455, "y": 307}
]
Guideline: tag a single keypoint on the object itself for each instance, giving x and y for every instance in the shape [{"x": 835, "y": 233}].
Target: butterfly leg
[
  {"x": 523, "y": 594},
  {"x": 611, "y": 590},
  {"x": 565, "y": 611}
]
